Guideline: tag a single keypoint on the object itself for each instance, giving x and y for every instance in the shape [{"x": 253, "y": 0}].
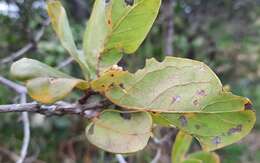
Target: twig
[
  {"x": 16, "y": 87},
  {"x": 26, "y": 131},
  {"x": 28, "y": 46},
  {"x": 168, "y": 27},
  {"x": 120, "y": 158},
  {"x": 157, "y": 156},
  {"x": 65, "y": 63},
  {"x": 88, "y": 110}
]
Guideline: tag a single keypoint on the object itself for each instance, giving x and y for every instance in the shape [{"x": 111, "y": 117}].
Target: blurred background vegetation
[{"x": 224, "y": 34}]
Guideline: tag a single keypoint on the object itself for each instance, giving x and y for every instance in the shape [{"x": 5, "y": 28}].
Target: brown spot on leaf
[
  {"x": 195, "y": 102},
  {"x": 91, "y": 130},
  {"x": 112, "y": 75},
  {"x": 126, "y": 116},
  {"x": 236, "y": 129},
  {"x": 121, "y": 85},
  {"x": 216, "y": 140},
  {"x": 183, "y": 121},
  {"x": 197, "y": 126},
  {"x": 51, "y": 80},
  {"x": 248, "y": 106},
  {"x": 201, "y": 92},
  {"x": 129, "y": 2}
]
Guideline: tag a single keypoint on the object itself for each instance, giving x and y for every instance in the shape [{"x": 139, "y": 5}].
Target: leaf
[
  {"x": 44, "y": 83},
  {"x": 205, "y": 157},
  {"x": 174, "y": 85},
  {"x": 26, "y": 69},
  {"x": 62, "y": 28},
  {"x": 117, "y": 25},
  {"x": 190, "y": 91},
  {"x": 50, "y": 90},
  {"x": 192, "y": 161},
  {"x": 213, "y": 130},
  {"x": 180, "y": 147},
  {"x": 119, "y": 132}
]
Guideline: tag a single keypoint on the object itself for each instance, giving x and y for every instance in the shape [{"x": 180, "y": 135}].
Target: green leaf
[
  {"x": 26, "y": 69},
  {"x": 192, "y": 161},
  {"x": 119, "y": 132},
  {"x": 181, "y": 146},
  {"x": 205, "y": 157},
  {"x": 117, "y": 25},
  {"x": 212, "y": 130},
  {"x": 44, "y": 83},
  {"x": 62, "y": 28},
  {"x": 187, "y": 93},
  {"x": 174, "y": 85}
]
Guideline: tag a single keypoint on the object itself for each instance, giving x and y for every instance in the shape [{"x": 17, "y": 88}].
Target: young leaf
[
  {"x": 213, "y": 130},
  {"x": 180, "y": 147},
  {"x": 117, "y": 26},
  {"x": 61, "y": 26},
  {"x": 192, "y": 161},
  {"x": 119, "y": 132},
  {"x": 44, "y": 83},
  {"x": 205, "y": 157},
  {"x": 174, "y": 85}
]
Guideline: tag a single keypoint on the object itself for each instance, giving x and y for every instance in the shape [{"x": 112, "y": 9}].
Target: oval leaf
[
  {"x": 174, "y": 85},
  {"x": 61, "y": 26},
  {"x": 26, "y": 69},
  {"x": 119, "y": 132},
  {"x": 50, "y": 90},
  {"x": 117, "y": 24}
]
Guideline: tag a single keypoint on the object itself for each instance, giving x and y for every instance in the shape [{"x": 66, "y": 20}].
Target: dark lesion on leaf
[
  {"x": 248, "y": 106},
  {"x": 236, "y": 129},
  {"x": 216, "y": 140},
  {"x": 121, "y": 85},
  {"x": 126, "y": 116},
  {"x": 183, "y": 121},
  {"x": 195, "y": 102},
  {"x": 197, "y": 126},
  {"x": 129, "y": 2}
]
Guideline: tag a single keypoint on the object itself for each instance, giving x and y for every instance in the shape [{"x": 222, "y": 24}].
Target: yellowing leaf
[
  {"x": 119, "y": 132},
  {"x": 61, "y": 26},
  {"x": 181, "y": 146},
  {"x": 117, "y": 26},
  {"x": 44, "y": 83},
  {"x": 50, "y": 90}
]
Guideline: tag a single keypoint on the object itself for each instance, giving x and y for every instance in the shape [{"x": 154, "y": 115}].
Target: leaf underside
[{"x": 119, "y": 132}]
